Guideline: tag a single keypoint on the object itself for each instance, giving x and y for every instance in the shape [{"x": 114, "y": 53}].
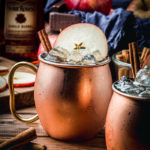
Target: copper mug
[
  {"x": 71, "y": 100},
  {"x": 127, "y": 122}
]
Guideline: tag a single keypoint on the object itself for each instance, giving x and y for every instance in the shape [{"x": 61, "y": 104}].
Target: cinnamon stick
[
  {"x": 120, "y": 57},
  {"x": 131, "y": 60},
  {"x": 44, "y": 40},
  {"x": 136, "y": 57},
  {"x": 146, "y": 54},
  {"x": 34, "y": 146},
  {"x": 19, "y": 140},
  {"x": 30, "y": 145},
  {"x": 122, "y": 72},
  {"x": 125, "y": 53},
  {"x": 124, "y": 56},
  {"x": 127, "y": 58},
  {"x": 143, "y": 53}
]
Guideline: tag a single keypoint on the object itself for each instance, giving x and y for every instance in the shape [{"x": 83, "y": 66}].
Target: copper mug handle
[{"x": 11, "y": 90}]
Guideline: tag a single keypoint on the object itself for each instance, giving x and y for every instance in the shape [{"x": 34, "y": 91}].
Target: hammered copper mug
[
  {"x": 128, "y": 122},
  {"x": 71, "y": 100}
]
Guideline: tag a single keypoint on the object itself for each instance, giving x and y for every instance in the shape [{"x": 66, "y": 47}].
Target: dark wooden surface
[
  {"x": 23, "y": 96},
  {"x": 9, "y": 127}
]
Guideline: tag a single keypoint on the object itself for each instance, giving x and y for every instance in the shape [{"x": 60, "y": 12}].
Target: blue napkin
[
  {"x": 120, "y": 3},
  {"x": 48, "y": 6}
]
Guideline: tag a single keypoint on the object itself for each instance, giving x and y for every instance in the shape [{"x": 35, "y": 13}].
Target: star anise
[{"x": 79, "y": 46}]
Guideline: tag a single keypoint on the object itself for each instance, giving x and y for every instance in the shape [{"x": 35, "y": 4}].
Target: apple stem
[{"x": 144, "y": 5}]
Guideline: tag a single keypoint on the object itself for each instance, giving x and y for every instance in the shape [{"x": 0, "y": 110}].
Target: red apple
[
  {"x": 22, "y": 79},
  {"x": 102, "y": 6},
  {"x": 3, "y": 70},
  {"x": 52, "y": 39},
  {"x": 3, "y": 84},
  {"x": 88, "y": 35}
]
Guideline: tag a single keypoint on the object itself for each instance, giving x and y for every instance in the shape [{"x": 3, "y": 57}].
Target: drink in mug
[{"x": 127, "y": 121}]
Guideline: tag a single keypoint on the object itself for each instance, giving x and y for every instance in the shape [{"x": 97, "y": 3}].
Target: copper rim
[
  {"x": 101, "y": 63},
  {"x": 129, "y": 95}
]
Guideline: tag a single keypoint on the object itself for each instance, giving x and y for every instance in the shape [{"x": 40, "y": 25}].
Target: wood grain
[{"x": 9, "y": 127}]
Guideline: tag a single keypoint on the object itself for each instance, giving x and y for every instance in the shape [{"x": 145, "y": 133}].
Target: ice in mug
[
  {"x": 140, "y": 87},
  {"x": 81, "y": 56}
]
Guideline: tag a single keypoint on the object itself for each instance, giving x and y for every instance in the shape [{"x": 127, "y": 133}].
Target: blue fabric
[
  {"x": 120, "y": 3},
  {"x": 142, "y": 28},
  {"x": 48, "y": 5}
]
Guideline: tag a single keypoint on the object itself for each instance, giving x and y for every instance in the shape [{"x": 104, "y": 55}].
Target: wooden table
[{"x": 9, "y": 127}]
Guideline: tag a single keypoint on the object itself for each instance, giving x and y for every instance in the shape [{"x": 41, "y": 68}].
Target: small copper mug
[
  {"x": 71, "y": 100},
  {"x": 127, "y": 122}
]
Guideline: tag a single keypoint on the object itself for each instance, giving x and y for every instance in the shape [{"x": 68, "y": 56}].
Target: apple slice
[
  {"x": 3, "y": 70},
  {"x": 3, "y": 84},
  {"x": 83, "y": 35},
  {"x": 22, "y": 79}
]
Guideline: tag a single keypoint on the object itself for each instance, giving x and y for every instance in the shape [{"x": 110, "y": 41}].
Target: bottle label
[
  {"x": 20, "y": 19},
  {"x": 14, "y": 49}
]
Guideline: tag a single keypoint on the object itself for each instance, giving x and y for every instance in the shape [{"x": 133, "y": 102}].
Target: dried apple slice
[
  {"x": 3, "y": 84},
  {"x": 22, "y": 79},
  {"x": 83, "y": 36},
  {"x": 3, "y": 70}
]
